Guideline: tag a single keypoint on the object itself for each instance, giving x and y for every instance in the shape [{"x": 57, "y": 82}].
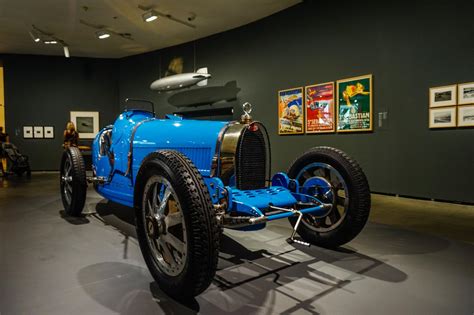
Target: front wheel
[
  {"x": 73, "y": 182},
  {"x": 177, "y": 228},
  {"x": 333, "y": 177}
]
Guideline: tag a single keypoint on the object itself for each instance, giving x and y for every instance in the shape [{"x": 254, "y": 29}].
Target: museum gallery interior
[{"x": 241, "y": 157}]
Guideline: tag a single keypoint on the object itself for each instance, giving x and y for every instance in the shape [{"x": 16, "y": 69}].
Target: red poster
[{"x": 320, "y": 108}]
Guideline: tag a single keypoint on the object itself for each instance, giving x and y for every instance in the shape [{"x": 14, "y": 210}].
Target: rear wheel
[
  {"x": 73, "y": 181},
  {"x": 333, "y": 177},
  {"x": 176, "y": 224}
]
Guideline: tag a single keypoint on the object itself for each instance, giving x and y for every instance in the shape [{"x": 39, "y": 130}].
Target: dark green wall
[
  {"x": 407, "y": 46},
  {"x": 42, "y": 90}
]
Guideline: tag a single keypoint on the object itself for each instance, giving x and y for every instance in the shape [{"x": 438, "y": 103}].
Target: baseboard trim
[{"x": 424, "y": 198}]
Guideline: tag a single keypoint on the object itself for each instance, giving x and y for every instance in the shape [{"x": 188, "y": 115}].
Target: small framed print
[
  {"x": 466, "y": 93},
  {"x": 87, "y": 123},
  {"x": 38, "y": 132},
  {"x": 443, "y": 96},
  {"x": 27, "y": 132},
  {"x": 443, "y": 117},
  {"x": 466, "y": 116},
  {"x": 48, "y": 132}
]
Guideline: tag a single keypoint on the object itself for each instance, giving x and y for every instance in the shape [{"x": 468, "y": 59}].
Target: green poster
[{"x": 354, "y": 104}]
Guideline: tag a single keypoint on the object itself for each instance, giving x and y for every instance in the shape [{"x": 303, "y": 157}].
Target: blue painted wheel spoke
[
  {"x": 154, "y": 198},
  {"x": 162, "y": 191},
  {"x": 324, "y": 182},
  {"x": 164, "y": 200}
]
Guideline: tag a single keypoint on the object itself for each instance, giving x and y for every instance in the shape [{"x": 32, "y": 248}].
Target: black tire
[
  {"x": 357, "y": 209},
  {"x": 74, "y": 187},
  {"x": 202, "y": 231}
]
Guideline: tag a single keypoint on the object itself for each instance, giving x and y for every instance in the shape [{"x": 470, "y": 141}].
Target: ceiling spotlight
[
  {"x": 102, "y": 34},
  {"x": 149, "y": 16},
  {"x": 152, "y": 14},
  {"x": 50, "y": 42},
  {"x": 34, "y": 36},
  {"x": 66, "y": 51}
]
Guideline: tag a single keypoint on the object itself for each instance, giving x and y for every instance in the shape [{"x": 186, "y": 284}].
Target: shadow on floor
[
  {"x": 126, "y": 289},
  {"x": 343, "y": 257},
  {"x": 245, "y": 276},
  {"x": 73, "y": 220},
  {"x": 258, "y": 277},
  {"x": 122, "y": 218}
]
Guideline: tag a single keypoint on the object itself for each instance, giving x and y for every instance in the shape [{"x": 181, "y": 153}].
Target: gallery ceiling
[{"x": 75, "y": 23}]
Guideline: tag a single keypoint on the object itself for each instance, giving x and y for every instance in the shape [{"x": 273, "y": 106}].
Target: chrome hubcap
[
  {"x": 165, "y": 226},
  {"x": 325, "y": 183}
]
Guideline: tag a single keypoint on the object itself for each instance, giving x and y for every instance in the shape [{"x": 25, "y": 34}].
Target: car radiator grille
[{"x": 251, "y": 158}]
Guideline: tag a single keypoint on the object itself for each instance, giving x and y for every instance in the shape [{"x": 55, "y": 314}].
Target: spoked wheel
[
  {"x": 165, "y": 227},
  {"x": 176, "y": 224},
  {"x": 325, "y": 183},
  {"x": 73, "y": 183},
  {"x": 334, "y": 178}
]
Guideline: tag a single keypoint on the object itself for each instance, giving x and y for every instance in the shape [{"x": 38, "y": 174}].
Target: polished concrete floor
[{"x": 53, "y": 264}]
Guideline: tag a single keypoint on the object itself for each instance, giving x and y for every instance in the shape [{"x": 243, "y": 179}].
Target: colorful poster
[
  {"x": 290, "y": 111},
  {"x": 354, "y": 104},
  {"x": 320, "y": 108}
]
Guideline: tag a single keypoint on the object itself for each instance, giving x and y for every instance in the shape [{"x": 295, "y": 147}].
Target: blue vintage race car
[{"x": 188, "y": 179}]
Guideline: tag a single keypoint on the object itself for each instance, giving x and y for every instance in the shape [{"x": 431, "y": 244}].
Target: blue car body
[{"x": 137, "y": 133}]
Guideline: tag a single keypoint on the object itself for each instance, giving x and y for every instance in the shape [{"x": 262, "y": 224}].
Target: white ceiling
[{"x": 62, "y": 18}]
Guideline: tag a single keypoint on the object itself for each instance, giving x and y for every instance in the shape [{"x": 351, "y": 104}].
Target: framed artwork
[
  {"x": 466, "y": 116},
  {"x": 443, "y": 96},
  {"x": 466, "y": 93},
  {"x": 27, "y": 132},
  {"x": 290, "y": 111},
  {"x": 320, "y": 108},
  {"x": 38, "y": 132},
  {"x": 354, "y": 104},
  {"x": 49, "y": 132},
  {"x": 87, "y": 124},
  {"x": 444, "y": 117}
]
